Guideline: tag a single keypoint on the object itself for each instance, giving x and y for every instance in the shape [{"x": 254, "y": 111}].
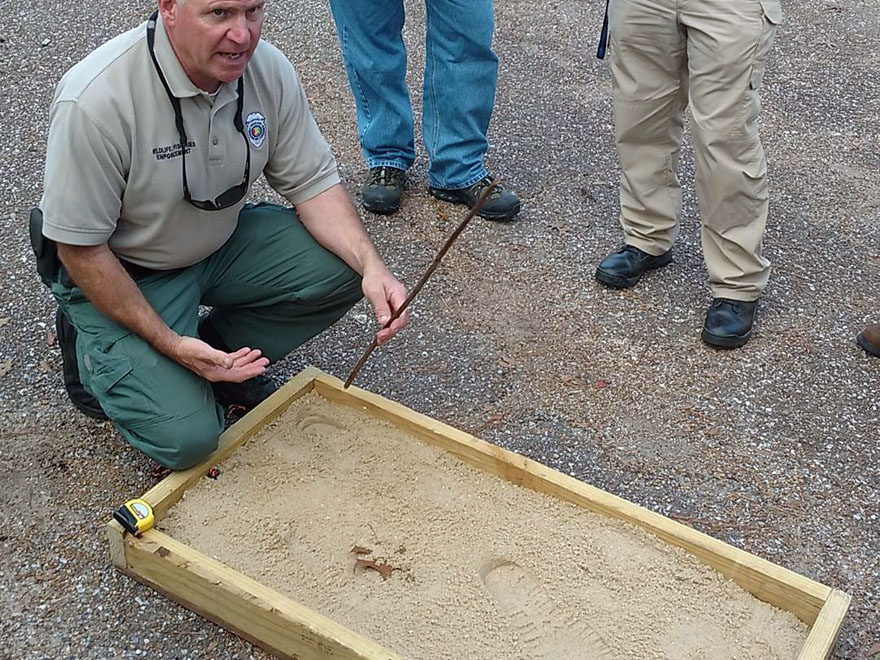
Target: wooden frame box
[{"x": 291, "y": 631}]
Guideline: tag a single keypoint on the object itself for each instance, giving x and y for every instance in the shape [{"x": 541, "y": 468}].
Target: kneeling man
[{"x": 155, "y": 140}]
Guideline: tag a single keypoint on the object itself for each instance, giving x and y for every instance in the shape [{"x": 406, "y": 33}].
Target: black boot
[
  {"x": 729, "y": 322},
  {"x": 247, "y": 394},
  {"x": 625, "y": 267},
  {"x": 500, "y": 205},
  {"x": 79, "y": 397},
  {"x": 383, "y": 189}
]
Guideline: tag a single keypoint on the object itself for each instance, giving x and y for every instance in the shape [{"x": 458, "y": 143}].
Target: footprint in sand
[
  {"x": 297, "y": 448},
  {"x": 546, "y": 631},
  {"x": 307, "y": 422}
]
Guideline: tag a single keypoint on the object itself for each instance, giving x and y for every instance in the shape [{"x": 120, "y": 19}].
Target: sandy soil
[{"x": 480, "y": 568}]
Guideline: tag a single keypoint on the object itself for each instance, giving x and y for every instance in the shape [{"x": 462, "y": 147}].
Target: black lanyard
[
  {"x": 234, "y": 194},
  {"x": 175, "y": 102},
  {"x": 603, "y": 37}
]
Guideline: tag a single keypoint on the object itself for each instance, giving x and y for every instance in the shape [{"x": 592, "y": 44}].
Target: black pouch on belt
[
  {"x": 44, "y": 248},
  {"x": 49, "y": 265}
]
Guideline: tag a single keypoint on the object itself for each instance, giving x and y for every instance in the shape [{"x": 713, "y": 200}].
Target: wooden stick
[{"x": 418, "y": 287}]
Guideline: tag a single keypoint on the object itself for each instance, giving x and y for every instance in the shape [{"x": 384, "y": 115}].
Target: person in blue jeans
[{"x": 461, "y": 70}]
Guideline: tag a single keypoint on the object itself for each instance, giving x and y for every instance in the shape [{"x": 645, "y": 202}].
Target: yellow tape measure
[{"x": 136, "y": 516}]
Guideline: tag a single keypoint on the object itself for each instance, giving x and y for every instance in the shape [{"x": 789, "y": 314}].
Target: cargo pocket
[
  {"x": 772, "y": 11},
  {"x": 106, "y": 376},
  {"x": 772, "y": 16},
  {"x": 102, "y": 375},
  {"x": 102, "y": 367}
]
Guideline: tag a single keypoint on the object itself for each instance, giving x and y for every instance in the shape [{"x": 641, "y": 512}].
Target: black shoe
[
  {"x": 622, "y": 269},
  {"x": 500, "y": 205},
  {"x": 79, "y": 397},
  {"x": 729, "y": 322},
  {"x": 248, "y": 394},
  {"x": 381, "y": 193}
]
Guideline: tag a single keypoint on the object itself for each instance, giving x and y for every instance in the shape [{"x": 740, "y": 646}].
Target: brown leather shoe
[{"x": 869, "y": 339}]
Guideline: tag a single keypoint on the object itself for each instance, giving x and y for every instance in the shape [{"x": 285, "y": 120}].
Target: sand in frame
[{"x": 290, "y": 630}]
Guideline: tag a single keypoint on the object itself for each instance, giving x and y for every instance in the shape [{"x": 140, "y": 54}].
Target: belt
[
  {"x": 134, "y": 271},
  {"x": 137, "y": 272}
]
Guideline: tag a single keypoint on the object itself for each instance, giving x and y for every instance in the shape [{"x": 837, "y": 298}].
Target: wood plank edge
[
  {"x": 116, "y": 544},
  {"x": 765, "y": 580},
  {"x": 823, "y": 635},
  {"x": 156, "y": 552},
  {"x": 180, "y": 600}
]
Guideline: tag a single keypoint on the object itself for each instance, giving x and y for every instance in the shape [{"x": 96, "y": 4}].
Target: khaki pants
[{"x": 710, "y": 55}]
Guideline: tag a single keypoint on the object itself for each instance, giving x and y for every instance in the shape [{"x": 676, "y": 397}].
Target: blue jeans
[{"x": 459, "y": 85}]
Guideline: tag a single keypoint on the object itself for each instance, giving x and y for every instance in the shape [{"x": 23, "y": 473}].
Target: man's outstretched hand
[
  {"x": 385, "y": 293},
  {"x": 217, "y": 366}
]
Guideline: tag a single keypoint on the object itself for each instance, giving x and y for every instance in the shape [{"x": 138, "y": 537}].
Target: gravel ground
[{"x": 772, "y": 448}]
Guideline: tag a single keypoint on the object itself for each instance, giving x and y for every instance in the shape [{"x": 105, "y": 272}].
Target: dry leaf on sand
[{"x": 384, "y": 569}]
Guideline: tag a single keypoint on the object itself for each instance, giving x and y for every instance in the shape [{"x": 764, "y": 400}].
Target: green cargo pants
[{"x": 271, "y": 286}]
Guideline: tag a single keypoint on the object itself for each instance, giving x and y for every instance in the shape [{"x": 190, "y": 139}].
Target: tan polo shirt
[{"x": 113, "y": 164}]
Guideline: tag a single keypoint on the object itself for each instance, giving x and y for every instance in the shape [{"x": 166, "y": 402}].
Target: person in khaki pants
[{"x": 709, "y": 55}]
